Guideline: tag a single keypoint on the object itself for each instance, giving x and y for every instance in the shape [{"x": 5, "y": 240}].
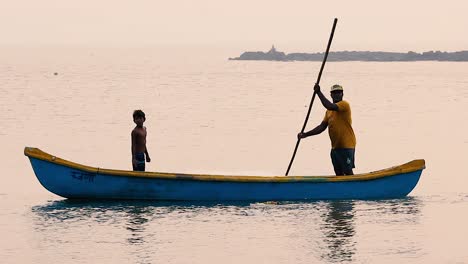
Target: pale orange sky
[{"x": 293, "y": 26}]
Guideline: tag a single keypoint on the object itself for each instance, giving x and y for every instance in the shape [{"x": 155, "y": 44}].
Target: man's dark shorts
[
  {"x": 140, "y": 162},
  {"x": 343, "y": 160}
]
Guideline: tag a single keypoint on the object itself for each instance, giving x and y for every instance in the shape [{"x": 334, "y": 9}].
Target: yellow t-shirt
[{"x": 339, "y": 126}]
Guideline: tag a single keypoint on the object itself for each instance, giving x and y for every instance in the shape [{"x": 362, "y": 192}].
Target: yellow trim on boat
[{"x": 411, "y": 166}]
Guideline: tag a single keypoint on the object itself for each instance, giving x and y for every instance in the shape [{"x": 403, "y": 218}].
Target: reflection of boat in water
[
  {"x": 73, "y": 180},
  {"x": 327, "y": 231}
]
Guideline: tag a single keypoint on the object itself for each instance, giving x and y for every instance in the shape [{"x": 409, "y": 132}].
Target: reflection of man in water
[{"x": 339, "y": 231}]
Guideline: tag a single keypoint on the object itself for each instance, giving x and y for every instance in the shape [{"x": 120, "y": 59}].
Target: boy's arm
[
  {"x": 133, "y": 145},
  {"x": 148, "y": 159}
]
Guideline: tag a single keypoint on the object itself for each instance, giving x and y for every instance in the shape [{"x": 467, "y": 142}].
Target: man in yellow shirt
[{"x": 338, "y": 120}]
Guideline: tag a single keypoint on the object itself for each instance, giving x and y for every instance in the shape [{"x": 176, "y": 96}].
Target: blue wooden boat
[{"x": 76, "y": 181}]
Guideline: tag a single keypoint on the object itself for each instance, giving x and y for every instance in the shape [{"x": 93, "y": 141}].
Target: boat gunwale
[{"x": 412, "y": 166}]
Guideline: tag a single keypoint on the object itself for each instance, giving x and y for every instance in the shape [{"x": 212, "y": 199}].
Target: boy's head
[{"x": 139, "y": 117}]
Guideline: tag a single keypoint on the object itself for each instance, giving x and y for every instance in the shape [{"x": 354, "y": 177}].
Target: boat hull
[{"x": 76, "y": 183}]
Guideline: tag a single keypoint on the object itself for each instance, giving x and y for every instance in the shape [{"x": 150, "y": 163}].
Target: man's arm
[
  {"x": 325, "y": 102},
  {"x": 317, "y": 130}
]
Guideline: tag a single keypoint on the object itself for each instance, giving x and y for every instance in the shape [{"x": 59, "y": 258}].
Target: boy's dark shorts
[
  {"x": 342, "y": 159},
  {"x": 140, "y": 162}
]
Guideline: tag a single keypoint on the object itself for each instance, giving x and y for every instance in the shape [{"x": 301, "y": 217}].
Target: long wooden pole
[{"x": 313, "y": 96}]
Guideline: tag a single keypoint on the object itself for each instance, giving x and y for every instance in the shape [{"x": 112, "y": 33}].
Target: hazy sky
[{"x": 397, "y": 25}]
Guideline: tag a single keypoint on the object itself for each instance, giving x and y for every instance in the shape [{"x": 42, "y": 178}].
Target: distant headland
[{"x": 274, "y": 55}]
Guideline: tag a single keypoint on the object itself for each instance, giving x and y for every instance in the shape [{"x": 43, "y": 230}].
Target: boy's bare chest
[{"x": 140, "y": 133}]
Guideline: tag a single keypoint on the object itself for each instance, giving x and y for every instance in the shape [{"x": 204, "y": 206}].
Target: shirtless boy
[{"x": 139, "y": 150}]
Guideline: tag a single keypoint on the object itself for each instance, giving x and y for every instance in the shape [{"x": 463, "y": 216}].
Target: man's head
[
  {"x": 139, "y": 117},
  {"x": 336, "y": 93}
]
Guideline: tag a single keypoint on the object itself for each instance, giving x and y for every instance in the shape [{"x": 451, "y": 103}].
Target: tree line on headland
[{"x": 274, "y": 55}]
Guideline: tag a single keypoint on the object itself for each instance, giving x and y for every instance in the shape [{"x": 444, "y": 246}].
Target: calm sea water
[{"x": 206, "y": 114}]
